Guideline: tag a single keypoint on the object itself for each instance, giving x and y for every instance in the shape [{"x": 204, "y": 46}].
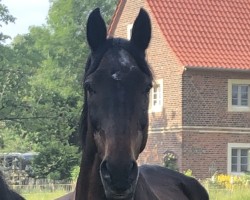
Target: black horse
[
  {"x": 6, "y": 193},
  {"x": 114, "y": 124}
]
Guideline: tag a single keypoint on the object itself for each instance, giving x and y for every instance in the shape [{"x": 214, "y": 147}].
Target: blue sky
[{"x": 27, "y": 13}]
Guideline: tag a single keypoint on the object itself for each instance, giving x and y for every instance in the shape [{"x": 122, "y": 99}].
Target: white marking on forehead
[
  {"x": 126, "y": 65},
  {"x": 116, "y": 76},
  {"x": 124, "y": 59}
]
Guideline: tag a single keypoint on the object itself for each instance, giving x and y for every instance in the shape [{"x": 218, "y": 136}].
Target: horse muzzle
[{"x": 119, "y": 182}]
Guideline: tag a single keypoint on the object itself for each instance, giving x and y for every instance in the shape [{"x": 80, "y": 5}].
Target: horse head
[{"x": 117, "y": 83}]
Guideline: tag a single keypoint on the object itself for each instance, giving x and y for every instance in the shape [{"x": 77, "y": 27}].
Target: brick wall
[
  {"x": 205, "y": 99},
  {"x": 158, "y": 144},
  {"x": 205, "y": 104},
  {"x": 205, "y": 153}
]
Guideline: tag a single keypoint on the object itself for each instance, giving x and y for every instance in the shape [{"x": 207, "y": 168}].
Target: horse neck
[{"x": 89, "y": 185}]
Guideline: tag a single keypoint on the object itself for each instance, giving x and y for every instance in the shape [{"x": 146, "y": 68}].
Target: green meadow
[{"x": 215, "y": 194}]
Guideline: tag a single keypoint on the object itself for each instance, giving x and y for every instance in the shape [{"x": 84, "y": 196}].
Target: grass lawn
[
  {"x": 239, "y": 194},
  {"x": 215, "y": 194},
  {"x": 43, "y": 195}
]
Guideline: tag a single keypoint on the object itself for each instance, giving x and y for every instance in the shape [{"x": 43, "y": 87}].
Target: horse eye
[
  {"x": 148, "y": 88},
  {"x": 89, "y": 88}
]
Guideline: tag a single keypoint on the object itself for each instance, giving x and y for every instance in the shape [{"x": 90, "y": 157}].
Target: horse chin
[
  {"x": 112, "y": 194},
  {"x": 125, "y": 195}
]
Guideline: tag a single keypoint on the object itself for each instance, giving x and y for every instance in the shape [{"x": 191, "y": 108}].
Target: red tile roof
[{"x": 206, "y": 33}]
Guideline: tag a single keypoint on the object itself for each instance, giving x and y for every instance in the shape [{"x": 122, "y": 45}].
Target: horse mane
[{"x": 92, "y": 64}]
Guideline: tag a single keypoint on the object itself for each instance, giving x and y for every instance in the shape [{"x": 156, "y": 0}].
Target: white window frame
[
  {"x": 231, "y": 146},
  {"x": 129, "y": 31},
  {"x": 159, "y": 106},
  {"x": 238, "y": 108}
]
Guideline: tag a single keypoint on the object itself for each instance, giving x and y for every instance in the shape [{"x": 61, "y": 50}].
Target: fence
[{"x": 44, "y": 185}]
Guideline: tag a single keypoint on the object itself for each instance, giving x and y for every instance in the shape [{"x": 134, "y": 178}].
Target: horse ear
[
  {"x": 96, "y": 29},
  {"x": 141, "y": 32}
]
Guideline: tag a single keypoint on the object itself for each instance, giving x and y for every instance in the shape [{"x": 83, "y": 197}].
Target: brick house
[{"x": 200, "y": 102}]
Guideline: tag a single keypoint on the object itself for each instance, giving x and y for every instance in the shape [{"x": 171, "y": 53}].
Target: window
[
  {"x": 156, "y": 97},
  {"x": 238, "y": 95},
  {"x": 238, "y": 158},
  {"x": 129, "y": 31}
]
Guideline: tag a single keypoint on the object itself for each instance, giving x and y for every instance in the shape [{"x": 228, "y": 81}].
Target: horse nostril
[
  {"x": 132, "y": 166},
  {"x": 105, "y": 171},
  {"x": 133, "y": 169}
]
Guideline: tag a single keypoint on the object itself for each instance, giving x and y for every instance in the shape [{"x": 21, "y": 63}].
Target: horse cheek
[{"x": 100, "y": 143}]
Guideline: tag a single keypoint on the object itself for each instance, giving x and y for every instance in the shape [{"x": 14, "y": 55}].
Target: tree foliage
[
  {"x": 5, "y": 18},
  {"x": 40, "y": 93}
]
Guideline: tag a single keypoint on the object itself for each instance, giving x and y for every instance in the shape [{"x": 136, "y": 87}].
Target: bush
[
  {"x": 55, "y": 161},
  {"x": 189, "y": 172},
  {"x": 230, "y": 181},
  {"x": 170, "y": 160},
  {"x": 74, "y": 173}
]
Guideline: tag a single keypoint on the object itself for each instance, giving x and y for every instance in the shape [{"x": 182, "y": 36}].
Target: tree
[
  {"x": 42, "y": 99},
  {"x": 5, "y": 18},
  {"x": 54, "y": 162},
  {"x": 12, "y": 84}
]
